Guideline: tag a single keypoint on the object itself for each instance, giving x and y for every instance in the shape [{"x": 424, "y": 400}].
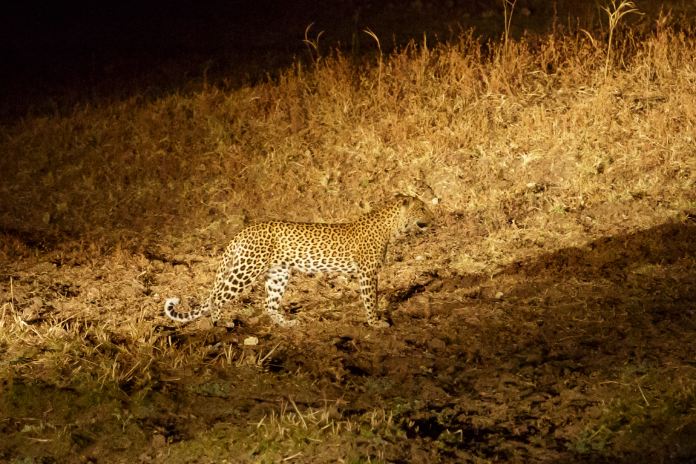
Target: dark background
[{"x": 67, "y": 52}]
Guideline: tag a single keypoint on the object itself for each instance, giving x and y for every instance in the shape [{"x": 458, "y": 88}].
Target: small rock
[
  {"x": 417, "y": 306},
  {"x": 33, "y": 311},
  {"x": 251, "y": 341},
  {"x": 158, "y": 441},
  {"x": 436, "y": 344}
]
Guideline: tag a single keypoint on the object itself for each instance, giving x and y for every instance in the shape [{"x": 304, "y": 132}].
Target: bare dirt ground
[{"x": 568, "y": 356}]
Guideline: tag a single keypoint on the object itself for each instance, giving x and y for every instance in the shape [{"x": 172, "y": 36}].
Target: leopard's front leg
[{"x": 368, "y": 290}]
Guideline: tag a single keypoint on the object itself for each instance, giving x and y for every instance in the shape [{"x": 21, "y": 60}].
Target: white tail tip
[{"x": 169, "y": 303}]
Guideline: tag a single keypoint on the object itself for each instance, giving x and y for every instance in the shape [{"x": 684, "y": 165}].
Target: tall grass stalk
[
  {"x": 615, "y": 12},
  {"x": 312, "y": 43},
  {"x": 380, "y": 64},
  {"x": 508, "y": 9}
]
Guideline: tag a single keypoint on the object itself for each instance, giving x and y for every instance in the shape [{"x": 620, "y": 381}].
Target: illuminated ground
[{"x": 547, "y": 317}]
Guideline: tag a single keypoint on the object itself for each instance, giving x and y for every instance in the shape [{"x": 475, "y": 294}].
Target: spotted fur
[{"x": 278, "y": 248}]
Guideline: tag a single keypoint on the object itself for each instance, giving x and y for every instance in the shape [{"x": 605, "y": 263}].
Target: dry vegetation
[{"x": 549, "y": 317}]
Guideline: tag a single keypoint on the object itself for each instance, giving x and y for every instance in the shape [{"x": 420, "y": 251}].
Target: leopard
[{"x": 278, "y": 248}]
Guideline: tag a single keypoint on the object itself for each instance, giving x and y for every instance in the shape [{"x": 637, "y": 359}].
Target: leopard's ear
[
  {"x": 418, "y": 187},
  {"x": 402, "y": 199}
]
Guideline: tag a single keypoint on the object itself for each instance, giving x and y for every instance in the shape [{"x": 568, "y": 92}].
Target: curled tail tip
[
  {"x": 192, "y": 314},
  {"x": 169, "y": 304}
]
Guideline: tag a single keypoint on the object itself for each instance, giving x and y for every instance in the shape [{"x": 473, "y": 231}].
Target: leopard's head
[{"x": 415, "y": 215}]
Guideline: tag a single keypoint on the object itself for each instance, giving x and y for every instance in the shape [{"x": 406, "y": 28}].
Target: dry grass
[
  {"x": 339, "y": 132},
  {"x": 530, "y": 154},
  {"x": 615, "y": 13}
]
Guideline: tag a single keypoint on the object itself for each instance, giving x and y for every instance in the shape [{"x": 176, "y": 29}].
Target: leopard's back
[{"x": 277, "y": 248}]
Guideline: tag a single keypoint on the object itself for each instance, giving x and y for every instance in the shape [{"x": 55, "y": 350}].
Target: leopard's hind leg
[
  {"x": 231, "y": 280},
  {"x": 276, "y": 282}
]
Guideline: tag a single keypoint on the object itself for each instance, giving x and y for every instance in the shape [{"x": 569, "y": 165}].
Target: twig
[
  {"x": 298, "y": 413},
  {"x": 642, "y": 394}
]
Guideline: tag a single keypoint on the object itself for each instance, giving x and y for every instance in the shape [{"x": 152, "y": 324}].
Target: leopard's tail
[{"x": 182, "y": 316}]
